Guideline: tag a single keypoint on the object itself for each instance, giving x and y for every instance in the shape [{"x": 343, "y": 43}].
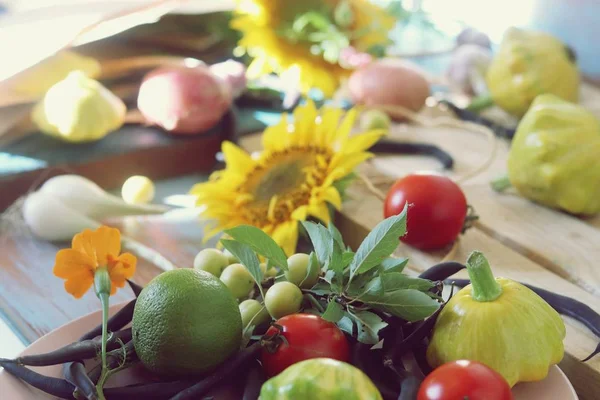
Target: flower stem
[
  {"x": 104, "y": 375},
  {"x": 480, "y": 103},
  {"x": 483, "y": 284}
]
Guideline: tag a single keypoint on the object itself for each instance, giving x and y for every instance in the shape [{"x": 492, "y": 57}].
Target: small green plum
[
  {"x": 375, "y": 119},
  {"x": 238, "y": 280},
  {"x": 252, "y": 310},
  {"x": 283, "y": 298},
  {"x": 211, "y": 260},
  {"x": 297, "y": 270},
  {"x": 230, "y": 257}
]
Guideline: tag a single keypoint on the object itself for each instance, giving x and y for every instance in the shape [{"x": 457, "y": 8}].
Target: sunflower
[
  {"x": 306, "y": 38},
  {"x": 296, "y": 176}
]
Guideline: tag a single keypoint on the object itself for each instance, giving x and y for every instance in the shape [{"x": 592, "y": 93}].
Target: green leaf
[
  {"x": 337, "y": 236},
  {"x": 330, "y": 277},
  {"x": 347, "y": 257},
  {"x": 393, "y": 264},
  {"x": 321, "y": 240},
  {"x": 343, "y": 184},
  {"x": 313, "y": 264},
  {"x": 373, "y": 287},
  {"x": 378, "y": 244},
  {"x": 368, "y": 326},
  {"x": 321, "y": 289},
  {"x": 409, "y": 304},
  {"x": 346, "y": 324},
  {"x": 260, "y": 242},
  {"x": 336, "y": 262},
  {"x": 246, "y": 256},
  {"x": 334, "y": 312},
  {"x": 395, "y": 280}
]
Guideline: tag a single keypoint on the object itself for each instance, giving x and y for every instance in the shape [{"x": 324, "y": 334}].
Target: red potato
[
  {"x": 389, "y": 82},
  {"x": 183, "y": 100}
]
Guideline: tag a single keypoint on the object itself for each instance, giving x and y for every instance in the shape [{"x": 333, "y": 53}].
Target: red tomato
[
  {"x": 436, "y": 212},
  {"x": 308, "y": 336},
  {"x": 458, "y": 380}
]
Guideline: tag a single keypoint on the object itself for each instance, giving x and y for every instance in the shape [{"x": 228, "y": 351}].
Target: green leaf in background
[
  {"x": 395, "y": 280},
  {"x": 409, "y": 304},
  {"x": 260, "y": 242},
  {"x": 313, "y": 264},
  {"x": 347, "y": 257},
  {"x": 246, "y": 256},
  {"x": 369, "y": 325},
  {"x": 334, "y": 312},
  {"x": 322, "y": 288},
  {"x": 346, "y": 324},
  {"x": 321, "y": 240},
  {"x": 393, "y": 264},
  {"x": 342, "y": 184},
  {"x": 379, "y": 244},
  {"x": 337, "y": 236}
]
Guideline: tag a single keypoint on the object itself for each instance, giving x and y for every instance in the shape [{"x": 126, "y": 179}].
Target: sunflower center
[{"x": 282, "y": 182}]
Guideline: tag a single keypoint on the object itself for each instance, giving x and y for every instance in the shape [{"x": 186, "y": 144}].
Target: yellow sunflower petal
[
  {"x": 332, "y": 196},
  {"x": 276, "y": 136},
  {"x": 362, "y": 142},
  {"x": 326, "y": 130},
  {"x": 320, "y": 211},
  {"x": 71, "y": 262},
  {"x": 345, "y": 164},
  {"x": 342, "y": 133},
  {"x": 304, "y": 123},
  {"x": 286, "y": 236},
  {"x": 237, "y": 159},
  {"x": 300, "y": 213}
]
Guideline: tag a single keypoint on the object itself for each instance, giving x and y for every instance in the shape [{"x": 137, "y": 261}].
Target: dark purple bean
[
  {"x": 225, "y": 370},
  {"x": 395, "y": 147},
  {"x": 563, "y": 305},
  {"x": 75, "y": 374},
  {"x": 54, "y": 386},
  {"x": 441, "y": 271},
  {"x": 75, "y": 351},
  {"x": 254, "y": 382},
  {"x": 114, "y": 360},
  {"x": 115, "y": 323},
  {"x": 137, "y": 289},
  {"x": 423, "y": 329},
  {"x": 409, "y": 388}
]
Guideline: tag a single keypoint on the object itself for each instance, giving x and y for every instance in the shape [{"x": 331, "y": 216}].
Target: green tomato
[
  {"x": 263, "y": 268},
  {"x": 320, "y": 379},
  {"x": 231, "y": 259},
  {"x": 283, "y": 298},
  {"x": 211, "y": 260},
  {"x": 239, "y": 281},
  {"x": 297, "y": 269},
  {"x": 252, "y": 310}
]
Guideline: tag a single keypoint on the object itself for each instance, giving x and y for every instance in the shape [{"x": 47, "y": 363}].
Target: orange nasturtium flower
[{"x": 90, "y": 251}]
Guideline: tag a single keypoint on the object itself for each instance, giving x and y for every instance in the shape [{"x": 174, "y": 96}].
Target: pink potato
[
  {"x": 183, "y": 100},
  {"x": 389, "y": 82}
]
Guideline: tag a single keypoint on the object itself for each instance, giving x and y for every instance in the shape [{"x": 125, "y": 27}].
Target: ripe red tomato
[
  {"x": 464, "y": 379},
  {"x": 308, "y": 336},
  {"x": 436, "y": 212}
]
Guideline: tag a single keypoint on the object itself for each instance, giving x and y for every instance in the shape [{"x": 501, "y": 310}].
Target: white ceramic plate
[{"x": 556, "y": 386}]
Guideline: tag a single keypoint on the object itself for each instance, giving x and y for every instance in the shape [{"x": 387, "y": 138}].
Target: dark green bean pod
[
  {"x": 254, "y": 381},
  {"x": 441, "y": 271},
  {"x": 75, "y": 374},
  {"x": 137, "y": 289},
  {"x": 115, "y": 323},
  {"x": 409, "y": 388},
  {"x": 224, "y": 371},
  {"x": 54, "y": 386},
  {"x": 75, "y": 351}
]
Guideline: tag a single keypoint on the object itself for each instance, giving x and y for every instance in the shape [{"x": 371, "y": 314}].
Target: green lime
[{"x": 185, "y": 322}]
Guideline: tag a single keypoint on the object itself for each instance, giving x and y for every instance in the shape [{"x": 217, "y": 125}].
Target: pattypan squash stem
[
  {"x": 102, "y": 286},
  {"x": 484, "y": 285},
  {"x": 501, "y": 184},
  {"x": 481, "y": 103}
]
